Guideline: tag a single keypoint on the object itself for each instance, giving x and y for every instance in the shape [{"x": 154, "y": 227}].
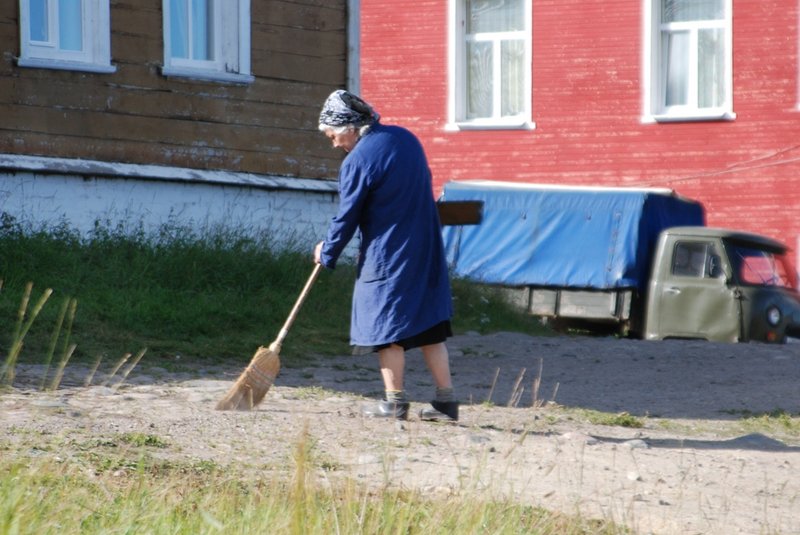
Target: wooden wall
[{"x": 136, "y": 115}]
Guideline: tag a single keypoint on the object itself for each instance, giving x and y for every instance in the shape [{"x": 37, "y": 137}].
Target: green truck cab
[{"x": 721, "y": 285}]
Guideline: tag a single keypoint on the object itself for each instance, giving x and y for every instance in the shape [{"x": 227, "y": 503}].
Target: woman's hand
[{"x": 317, "y": 253}]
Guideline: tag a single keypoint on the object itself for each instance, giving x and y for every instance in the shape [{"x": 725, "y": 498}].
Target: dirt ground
[{"x": 525, "y": 431}]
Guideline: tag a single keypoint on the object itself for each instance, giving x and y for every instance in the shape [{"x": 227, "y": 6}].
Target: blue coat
[{"x": 402, "y": 286}]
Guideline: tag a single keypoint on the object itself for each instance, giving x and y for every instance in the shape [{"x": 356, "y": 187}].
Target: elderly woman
[{"x": 402, "y": 292}]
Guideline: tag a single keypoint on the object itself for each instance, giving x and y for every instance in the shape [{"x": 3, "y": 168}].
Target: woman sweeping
[{"x": 402, "y": 296}]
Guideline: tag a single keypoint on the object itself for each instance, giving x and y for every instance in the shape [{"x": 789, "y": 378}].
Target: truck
[{"x": 639, "y": 262}]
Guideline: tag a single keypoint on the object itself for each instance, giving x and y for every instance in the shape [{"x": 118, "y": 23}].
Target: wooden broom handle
[{"x": 293, "y": 314}]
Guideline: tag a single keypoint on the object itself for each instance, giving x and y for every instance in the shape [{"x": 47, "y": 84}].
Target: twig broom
[{"x": 256, "y": 380}]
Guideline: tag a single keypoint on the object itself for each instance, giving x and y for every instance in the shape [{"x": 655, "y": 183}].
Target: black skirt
[{"x": 434, "y": 335}]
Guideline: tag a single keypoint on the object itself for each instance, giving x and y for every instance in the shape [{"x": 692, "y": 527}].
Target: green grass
[
  {"x": 215, "y": 296},
  {"x": 621, "y": 419},
  {"x": 777, "y": 422}
]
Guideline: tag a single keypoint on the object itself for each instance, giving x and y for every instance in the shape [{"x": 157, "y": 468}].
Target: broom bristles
[{"x": 254, "y": 382}]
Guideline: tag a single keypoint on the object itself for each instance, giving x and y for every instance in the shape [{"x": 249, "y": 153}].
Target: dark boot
[
  {"x": 440, "y": 411},
  {"x": 386, "y": 409}
]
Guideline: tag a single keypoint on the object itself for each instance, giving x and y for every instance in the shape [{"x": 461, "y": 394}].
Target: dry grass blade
[
  {"x": 53, "y": 342},
  {"x": 494, "y": 384},
  {"x": 130, "y": 367},
  {"x": 63, "y": 364},
  {"x": 23, "y": 309},
  {"x": 66, "y": 348},
  {"x": 537, "y": 382},
  {"x": 8, "y": 371},
  {"x": 516, "y": 392},
  {"x": 90, "y": 377},
  {"x": 119, "y": 364}
]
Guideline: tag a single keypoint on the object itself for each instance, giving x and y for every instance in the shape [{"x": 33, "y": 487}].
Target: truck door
[{"x": 693, "y": 299}]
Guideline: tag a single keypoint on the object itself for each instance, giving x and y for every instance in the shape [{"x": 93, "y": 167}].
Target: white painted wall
[{"x": 295, "y": 213}]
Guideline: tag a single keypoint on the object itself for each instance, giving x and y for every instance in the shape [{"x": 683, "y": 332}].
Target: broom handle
[{"x": 293, "y": 314}]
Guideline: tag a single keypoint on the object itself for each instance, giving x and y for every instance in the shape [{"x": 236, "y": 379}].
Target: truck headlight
[{"x": 773, "y": 315}]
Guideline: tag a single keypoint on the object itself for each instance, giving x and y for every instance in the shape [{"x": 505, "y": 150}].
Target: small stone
[
  {"x": 634, "y": 476},
  {"x": 636, "y": 444}
]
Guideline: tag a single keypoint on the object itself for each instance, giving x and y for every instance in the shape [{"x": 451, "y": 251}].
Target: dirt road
[{"x": 696, "y": 466}]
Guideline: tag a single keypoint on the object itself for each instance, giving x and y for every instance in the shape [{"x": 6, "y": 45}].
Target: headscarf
[{"x": 344, "y": 108}]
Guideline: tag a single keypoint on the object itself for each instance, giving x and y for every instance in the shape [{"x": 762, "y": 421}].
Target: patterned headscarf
[{"x": 344, "y": 108}]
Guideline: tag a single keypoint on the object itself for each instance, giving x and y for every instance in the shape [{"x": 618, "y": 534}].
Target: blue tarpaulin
[{"x": 562, "y": 236}]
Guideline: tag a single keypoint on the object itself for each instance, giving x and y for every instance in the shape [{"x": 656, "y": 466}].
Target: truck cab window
[
  {"x": 758, "y": 267},
  {"x": 691, "y": 259}
]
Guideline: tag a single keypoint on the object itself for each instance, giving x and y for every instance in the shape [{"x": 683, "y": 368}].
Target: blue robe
[{"x": 402, "y": 286}]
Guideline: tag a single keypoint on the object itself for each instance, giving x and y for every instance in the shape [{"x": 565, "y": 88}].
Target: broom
[{"x": 255, "y": 381}]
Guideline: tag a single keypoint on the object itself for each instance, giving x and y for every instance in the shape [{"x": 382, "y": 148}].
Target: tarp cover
[{"x": 562, "y": 236}]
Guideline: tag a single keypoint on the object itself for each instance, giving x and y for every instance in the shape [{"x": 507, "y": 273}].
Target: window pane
[
  {"x": 479, "y": 80},
  {"x": 710, "y": 69},
  {"x": 677, "y": 75},
  {"x": 513, "y": 72},
  {"x": 687, "y": 10},
  {"x": 495, "y": 16},
  {"x": 201, "y": 29},
  {"x": 38, "y": 20},
  {"x": 70, "y": 24},
  {"x": 178, "y": 28},
  {"x": 692, "y": 259}
]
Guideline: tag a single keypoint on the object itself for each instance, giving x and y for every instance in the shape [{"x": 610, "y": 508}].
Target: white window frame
[
  {"x": 653, "y": 79},
  {"x": 96, "y": 39},
  {"x": 231, "y": 55},
  {"x": 456, "y": 102}
]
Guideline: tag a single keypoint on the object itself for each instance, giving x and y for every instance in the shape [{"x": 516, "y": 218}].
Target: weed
[
  {"x": 777, "y": 420},
  {"x": 141, "y": 439},
  {"x": 622, "y": 419}
]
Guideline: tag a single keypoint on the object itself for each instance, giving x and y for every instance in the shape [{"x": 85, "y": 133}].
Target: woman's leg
[
  {"x": 392, "y": 361},
  {"x": 394, "y": 405},
  {"x": 443, "y": 407},
  {"x": 438, "y": 360}
]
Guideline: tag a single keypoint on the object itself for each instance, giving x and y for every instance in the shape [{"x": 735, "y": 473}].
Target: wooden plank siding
[
  {"x": 587, "y": 106},
  {"x": 136, "y": 115}
]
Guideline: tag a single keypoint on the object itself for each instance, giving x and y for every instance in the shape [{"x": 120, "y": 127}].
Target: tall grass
[{"x": 214, "y": 295}]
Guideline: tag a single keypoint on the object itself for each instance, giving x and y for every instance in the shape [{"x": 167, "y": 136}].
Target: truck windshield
[{"x": 757, "y": 267}]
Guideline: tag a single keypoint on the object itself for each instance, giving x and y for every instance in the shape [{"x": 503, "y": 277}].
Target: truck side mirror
[{"x": 715, "y": 266}]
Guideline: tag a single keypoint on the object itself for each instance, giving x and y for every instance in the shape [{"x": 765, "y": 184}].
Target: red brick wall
[{"x": 587, "y": 106}]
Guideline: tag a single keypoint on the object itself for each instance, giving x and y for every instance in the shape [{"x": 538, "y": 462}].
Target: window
[
  {"x": 694, "y": 259},
  {"x": 490, "y": 64},
  {"x": 207, "y": 39},
  {"x": 65, "y": 34},
  {"x": 759, "y": 267},
  {"x": 688, "y": 59}
]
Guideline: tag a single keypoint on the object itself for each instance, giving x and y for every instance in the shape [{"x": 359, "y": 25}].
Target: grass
[
  {"x": 777, "y": 422},
  {"x": 213, "y": 296},
  {"x": 103, "y": 491},
  {"x": 622, "y": 419}
]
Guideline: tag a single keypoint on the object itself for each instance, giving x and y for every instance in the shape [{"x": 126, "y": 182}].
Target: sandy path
[{"x": 693, "y": 467}]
